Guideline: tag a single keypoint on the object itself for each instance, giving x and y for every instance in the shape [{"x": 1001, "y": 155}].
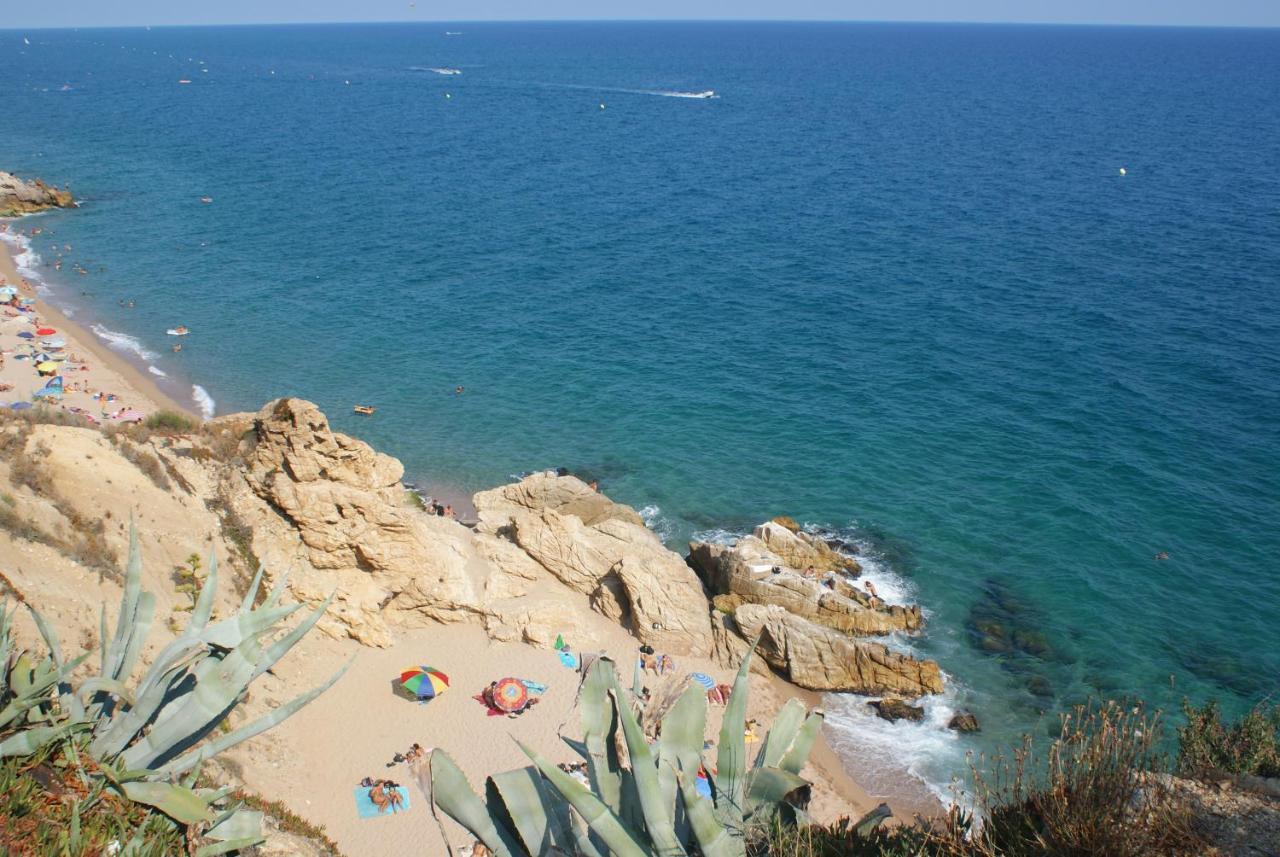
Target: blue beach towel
[
  {"x": 533, "y": 687},
  {"x": 569, "y": 659},
  {"x": 366, "y": 809}
]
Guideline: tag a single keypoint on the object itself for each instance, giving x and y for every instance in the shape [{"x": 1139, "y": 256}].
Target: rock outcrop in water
[
  {"x": 820, "y": 658},
  {"x": 746, "y": 573},
  {"x": 19, "y": 197}
]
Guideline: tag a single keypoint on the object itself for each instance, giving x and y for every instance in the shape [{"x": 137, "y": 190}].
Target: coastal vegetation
[{"x": 118, "y": 758}]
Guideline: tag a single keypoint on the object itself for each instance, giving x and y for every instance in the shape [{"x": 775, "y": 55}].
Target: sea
[{"x": 995, "y": 304}]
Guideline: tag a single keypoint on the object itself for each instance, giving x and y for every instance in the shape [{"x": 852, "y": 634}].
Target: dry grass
[{"x": 1251, "y": 745}]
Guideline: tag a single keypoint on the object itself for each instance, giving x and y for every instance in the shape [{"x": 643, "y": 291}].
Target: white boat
[
  {"x": 177, "y": 331},
  {"x": 446, "y": 70},
  {"x": 706, "y": 93}
]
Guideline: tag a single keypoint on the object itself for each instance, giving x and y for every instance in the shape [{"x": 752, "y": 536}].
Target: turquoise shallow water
[{"x": 890, "y": 282}]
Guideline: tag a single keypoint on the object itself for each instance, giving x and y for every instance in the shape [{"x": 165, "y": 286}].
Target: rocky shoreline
[{"x": 18, "y": 196}]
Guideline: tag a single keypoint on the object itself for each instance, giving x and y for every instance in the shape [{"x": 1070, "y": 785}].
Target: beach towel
[
  {"x": 560, "y": 645},
  {"x": 569, "y": 659},
  {"x": 365, "y": 807},
  {"x": 533, "y": 686},
  {"x": 489, "y": 709},
  {"x": 702, "y": 786}
]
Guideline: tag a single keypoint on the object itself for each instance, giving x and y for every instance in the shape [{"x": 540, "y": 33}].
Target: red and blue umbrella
[{"x": 424, "y": 682}]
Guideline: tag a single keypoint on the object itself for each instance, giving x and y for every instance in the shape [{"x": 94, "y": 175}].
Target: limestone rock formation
[
  {"x": 820, "y": 658},
  {"x": 19, "y": 197},
  {"x": 801, "y": 550},
  {"x": 331, "y": 510},
  {"x": 746, "y": 572},
  {"x": 604, "y": 550}
]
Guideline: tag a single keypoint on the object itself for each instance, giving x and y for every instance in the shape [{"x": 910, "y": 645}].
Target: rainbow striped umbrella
[{"x": 424, "y": 682}]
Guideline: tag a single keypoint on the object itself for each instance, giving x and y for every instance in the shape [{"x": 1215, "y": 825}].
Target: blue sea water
[{"x": 890, "y": 281}]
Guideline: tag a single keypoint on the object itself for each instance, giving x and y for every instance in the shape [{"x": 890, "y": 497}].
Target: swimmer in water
[
  {"x": 458, "y": 390},
  {"x": 1162, "y": 555}
]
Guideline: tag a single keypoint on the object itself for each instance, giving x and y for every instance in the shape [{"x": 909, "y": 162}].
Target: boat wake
[
  {"x": 704, "y": 94},
  {"x": 436, "y": 69}
]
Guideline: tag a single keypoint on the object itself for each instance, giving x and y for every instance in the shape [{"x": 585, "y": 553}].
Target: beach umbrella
[
  {"x": 20, "y": 406},
  {"x": 424, "y": 682},
  {"x": 510, "y": 695},
  {"x": 705, "y": 680},
  {"x": 53, "y": 343},
  {"x": 47, "y": 366},
  {"x": 26, "y": 334},
  {"x": 45, "y": 331}
]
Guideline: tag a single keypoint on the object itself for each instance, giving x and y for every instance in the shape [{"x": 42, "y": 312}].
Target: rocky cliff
[
  {"x": 326, "y": 515},
  {"x": 19, "y": 197}
]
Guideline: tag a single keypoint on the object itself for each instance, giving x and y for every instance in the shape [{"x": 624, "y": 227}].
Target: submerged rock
[
  {"x": 963, "y": 721},
  {"x": 893, "y": 710},
  {"x": 19, "y": 197}
]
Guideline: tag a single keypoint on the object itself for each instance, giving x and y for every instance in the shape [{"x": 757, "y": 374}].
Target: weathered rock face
[
  {"x": 330, "y": 509},
  {"x": 820, "y": 658},
  {"x": 608, "y": 555},
  {"x": 24, "y": 197},
  {"x": 564, "y": 494},
  {"x": 800, "y": 550},
  {"x": 963, "y": 721},
  {"x": 746, "y": 572}
]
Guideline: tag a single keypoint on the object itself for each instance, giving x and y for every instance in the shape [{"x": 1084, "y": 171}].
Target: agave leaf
[
  {"x": 115, "y": 650},
  {"x": 178, "y": 803},
  {"x": 139, "y": 627},
  {"x": 731, "y": 756},
  {"x": 251, "y": 595},
  {"x": 99, "y": 684},
  {"x": 249, "y": 730},
  {"x": 239, "y": 823},
  {"x": 656, "y": 812},
  {"x": 234, "y": 630},
  {"x": 598, "y": 726},
  {"x": 50, "y": 635},
  {"x": 124, "y": 726},
  {"x": 36, "y": 694},
  {"x": 680, "y": 748},
  {"x": 280, "y": 647},
  {"x": 204, "y": 603},
  {"x": 541, "y": 822},
  {"x": 713, "y": 839},
  {"x": 869, "y": 822},
  {"x": 797, "y": 756},
  {"x": 781, "y": 734},
  {"x": 451, "y": 792},
  {"x": 29, "y": 741},
  {"x": 22, "y": 676},
  {"x": 620, "y": 840},
  {"x": 770, "y": 786}
]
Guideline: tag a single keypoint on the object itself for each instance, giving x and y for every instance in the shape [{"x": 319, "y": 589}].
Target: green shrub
[
  {"x": 1251, "y": 745},
  {"x": 170, "y": 422}
]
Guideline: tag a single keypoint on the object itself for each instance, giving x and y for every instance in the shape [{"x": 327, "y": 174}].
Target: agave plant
[
  {"x": 632, "y": 810},
  {"x": 150, "y": 739}
]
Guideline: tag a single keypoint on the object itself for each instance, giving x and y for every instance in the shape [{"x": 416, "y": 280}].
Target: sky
[{"x": 97, "y": 13}]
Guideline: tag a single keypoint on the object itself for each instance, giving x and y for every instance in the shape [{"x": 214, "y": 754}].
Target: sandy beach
[
  {"x": 355, "y": 729},
  {"x": 90, "y": 367}
]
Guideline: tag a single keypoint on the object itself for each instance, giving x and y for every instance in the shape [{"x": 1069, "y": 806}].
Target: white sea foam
[
  {"x": 123, "y": 342},
  {"x": 160, "y": 373},
  {"x": 662, "y": 527},
  {"x": 204, "y": 402},
  {"x": 879, "y": 751},
  {"x": 25, "y": 259}
]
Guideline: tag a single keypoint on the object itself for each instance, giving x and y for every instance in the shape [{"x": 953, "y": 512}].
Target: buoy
[
  {"x": 1123, "y": 171},
  {"x": 447, "y": 95},
  {"x": 602, "y": 105}
]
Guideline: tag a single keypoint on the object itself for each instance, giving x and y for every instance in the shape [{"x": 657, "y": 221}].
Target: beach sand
[
  {"x": 101, "y": 368},
  {"x": 313, "y": 761}
]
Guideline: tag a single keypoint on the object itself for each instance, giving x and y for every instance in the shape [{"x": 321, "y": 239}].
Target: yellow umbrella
[{"x": 47, "y": 366}]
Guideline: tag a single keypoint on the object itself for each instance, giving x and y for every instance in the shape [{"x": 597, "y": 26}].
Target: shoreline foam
[{"x": 110, "y": 369}]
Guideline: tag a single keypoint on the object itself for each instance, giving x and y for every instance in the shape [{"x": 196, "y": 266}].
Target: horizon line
[{"x": 461, "y": 21}]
